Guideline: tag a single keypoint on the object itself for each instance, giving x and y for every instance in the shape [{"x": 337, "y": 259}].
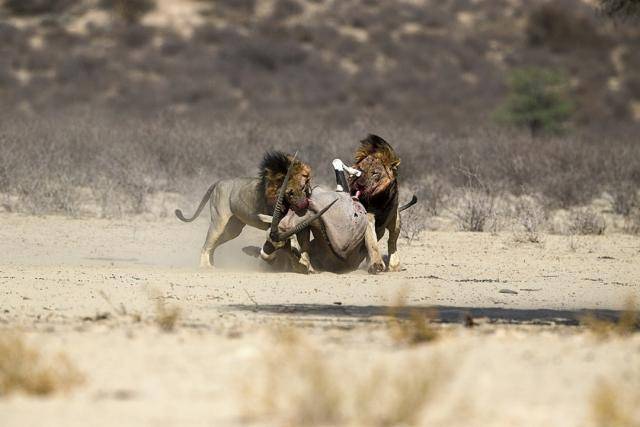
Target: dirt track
[{"x": 79, "y": 286}]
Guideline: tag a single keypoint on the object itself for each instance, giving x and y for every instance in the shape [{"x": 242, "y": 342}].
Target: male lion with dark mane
[
  {"x": 377, "y": 189},
  {"x": 237, "y": 202}
]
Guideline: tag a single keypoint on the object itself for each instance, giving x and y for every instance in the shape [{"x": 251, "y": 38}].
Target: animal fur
[
  {"x": 237, "y": 202},
  {"x": 377, "y": 147},
  {"x": 377, "y": 188},
  {"x": 273, "y": 168}
]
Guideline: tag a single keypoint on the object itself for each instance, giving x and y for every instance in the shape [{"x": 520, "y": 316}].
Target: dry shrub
[
  {"x": 586, "y": 221},
  {"x": 632, "y": 222},
  {"x": 413, "y": 223},
  {"x": 624, "y": 198},
  {"x": 50, "y": 196},
  {"x": 300, "y": 383},
  {"x": 123, "y": 163},
  {"x": 531, "y": 218},
  {"x": 560, "y": 28},
  {"x": 621, "y": 9},
  {"x": 130, "y": 11},
  {"x": 36, "y": 7},
  {"x": 24, "y": 368},
  {"x": 475, "y": 210},
  {"x": 573, "y": 242},
  {"x": 613, "y": 407},
  {"x": 431, "y": 191},
  {"x": 167, "y": 315}
]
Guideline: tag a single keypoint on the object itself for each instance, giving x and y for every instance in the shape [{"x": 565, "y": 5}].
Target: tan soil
[{"x": 88, "y": 288}]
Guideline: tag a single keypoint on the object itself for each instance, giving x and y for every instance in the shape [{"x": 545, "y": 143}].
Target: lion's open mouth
[{"x": 360, "y": 190}]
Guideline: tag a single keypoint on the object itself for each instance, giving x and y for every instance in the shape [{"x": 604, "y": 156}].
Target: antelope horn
[
  {"x": 277, "y": 210},
  {"x": 279, "y": 237}
]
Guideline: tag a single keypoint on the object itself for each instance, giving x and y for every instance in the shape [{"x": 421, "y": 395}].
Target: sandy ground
[{"x": 89, "y": 288}]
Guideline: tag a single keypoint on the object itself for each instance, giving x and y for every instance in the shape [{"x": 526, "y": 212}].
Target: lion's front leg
[
  {"x": 376, "y": 264},
  {"x": 394, "y": 233}
]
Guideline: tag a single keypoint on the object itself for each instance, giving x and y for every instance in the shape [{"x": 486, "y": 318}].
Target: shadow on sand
[{"x": 444, "y": 314}]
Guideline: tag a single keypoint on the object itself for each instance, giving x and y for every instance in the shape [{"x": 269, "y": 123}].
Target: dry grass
[
  {"x": 632, "y": 222},
  {"x": 573, "y": 242},
  {"x": 413, "y": 223},
  {"x": 167, "y": 314},
  {"x": 627, "y": 323},
  {"x": 586, "y": 221},
  {"x": 23, "y": 368},
  {"x": 624, "y": 198},
  {"x": 531, "y": 218},
  {"x": 613, "y": 407},
  {"x": 476, "y": 210},
  {"x": 301, "y": 383},
  {"x": 106, "y": 167},
  {"x": 121, "y": 310},
  {"x": 432, "y": 192},
  {"x": 416, "y": 329}
]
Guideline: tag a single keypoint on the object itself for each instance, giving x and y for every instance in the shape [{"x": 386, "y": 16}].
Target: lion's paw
[
  {"x": 205, "y": 261},
  {"x": 376, "y": 267},
  {"x": 394, "y": 263}
]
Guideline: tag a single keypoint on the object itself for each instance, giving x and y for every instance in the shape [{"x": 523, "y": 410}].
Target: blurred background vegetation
[
  {"x": 108, "y": 103},
  {"x": 442, "y": 62}
]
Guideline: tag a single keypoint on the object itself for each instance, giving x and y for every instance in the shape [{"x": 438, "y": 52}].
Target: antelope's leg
[
  {"x": 303, "y": 240},
  {"x": 342, "y": 185}
]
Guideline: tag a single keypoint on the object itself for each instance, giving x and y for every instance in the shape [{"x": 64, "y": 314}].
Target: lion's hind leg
[{"x": 221, "y": 230}]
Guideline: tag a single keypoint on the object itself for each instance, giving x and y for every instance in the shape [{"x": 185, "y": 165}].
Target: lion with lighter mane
[{"x": 237, "y": 202}]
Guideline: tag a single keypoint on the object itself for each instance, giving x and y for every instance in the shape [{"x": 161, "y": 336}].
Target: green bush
[{"x": 537, "y": 100}]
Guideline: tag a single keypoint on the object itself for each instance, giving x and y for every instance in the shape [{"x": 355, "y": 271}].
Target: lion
[
  {"x": 377, "y": 189},
  {"x": 237, "y": 202}
]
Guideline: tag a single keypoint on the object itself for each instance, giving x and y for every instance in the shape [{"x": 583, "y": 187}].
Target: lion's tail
[
  {"x": 411, "y": 202},
  {"x": 203, "y": 202}
]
